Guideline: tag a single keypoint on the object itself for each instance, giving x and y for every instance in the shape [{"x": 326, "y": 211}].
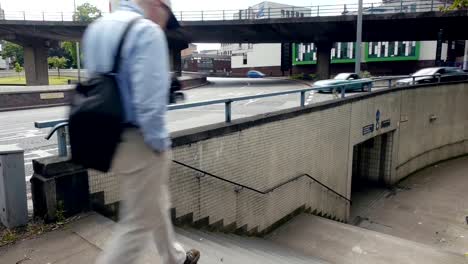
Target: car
[
  {"x": 433, "y": 74},
  {"x": 350, "y": 81},
  {"x": 255, "y": 74}
]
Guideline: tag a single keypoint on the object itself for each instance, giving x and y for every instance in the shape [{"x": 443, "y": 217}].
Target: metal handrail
[
  {"x": 268, "y": 190},
  {"x": 227, "y": 102},
  {"x": 62, "y": 123},
  {"x": 55, "y": 128}
]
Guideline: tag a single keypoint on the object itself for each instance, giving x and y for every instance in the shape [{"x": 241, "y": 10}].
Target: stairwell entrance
[{"x": 372, "y": 162}]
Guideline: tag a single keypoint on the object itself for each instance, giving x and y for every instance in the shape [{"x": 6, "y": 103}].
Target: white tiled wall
[{"x": 318, "y": 143}]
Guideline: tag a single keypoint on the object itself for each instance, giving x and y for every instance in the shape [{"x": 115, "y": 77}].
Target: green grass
[{"x": 53, "y": 80}]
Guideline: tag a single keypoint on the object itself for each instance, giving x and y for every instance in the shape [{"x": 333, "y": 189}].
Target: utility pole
[
  {"x": 78, "y": 55},
  {"x": 357, "y": 68},
  {"x": 465, "y": 60}
]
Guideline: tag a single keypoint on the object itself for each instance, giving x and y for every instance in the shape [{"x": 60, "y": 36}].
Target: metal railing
[
  {"x": 39, "y": 16},
  {"x": 401, "y": 6},
  {"x": 387, "y": 82},
  {"x": 241, "y": 186}
]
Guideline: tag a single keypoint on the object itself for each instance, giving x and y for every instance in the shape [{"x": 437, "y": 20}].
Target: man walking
[{"x": 142, "y": 158}]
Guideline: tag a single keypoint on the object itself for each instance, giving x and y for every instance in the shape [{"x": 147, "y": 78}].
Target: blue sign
[
  {"x": 386, "y": 123},
  {"x": 367, "y": 129}
]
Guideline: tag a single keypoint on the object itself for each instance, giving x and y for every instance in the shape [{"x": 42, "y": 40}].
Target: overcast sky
[{"x": 178, "y": 5}]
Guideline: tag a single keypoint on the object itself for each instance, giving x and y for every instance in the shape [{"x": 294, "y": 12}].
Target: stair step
[
  {"x": 232, "y": 243},
  {"x": 345, "y": 244}
]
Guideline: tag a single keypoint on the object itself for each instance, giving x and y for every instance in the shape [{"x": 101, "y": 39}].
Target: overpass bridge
[{"x": 322, "y": 25}]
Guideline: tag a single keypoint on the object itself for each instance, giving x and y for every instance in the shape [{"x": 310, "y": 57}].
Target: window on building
[
  {"x": 244, "y": 61},
  {"x": 282, "y": 13},
  {"x": 240, "y": 45},
  {"x": 302, "y": 14},
  {"x": 297, "y": 14},
  {"x": 287, "y": 13}
]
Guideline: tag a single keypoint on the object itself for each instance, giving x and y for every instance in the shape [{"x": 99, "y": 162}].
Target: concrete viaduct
[{"x": 37, "y": 36}]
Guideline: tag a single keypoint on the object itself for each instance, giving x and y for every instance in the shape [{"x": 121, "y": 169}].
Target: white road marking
[
  {"x": 310, "y": 98},
  {"x": 245, "y": 86},
  {"x": 39, "y": 153},
  {"x": 251, "y": 101}
]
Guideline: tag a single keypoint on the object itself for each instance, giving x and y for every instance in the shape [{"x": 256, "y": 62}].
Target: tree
[
  {"x": 18, "y": 69},
  {"x": 70, "y": 49},
  {"x": 57, "y": 62},
  {"x": 86, "y": 13},
  {"x": 13, "y": 51},
  {"x": 458, "y": 5}
]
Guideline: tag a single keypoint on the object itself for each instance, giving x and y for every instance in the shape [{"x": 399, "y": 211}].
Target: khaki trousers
[{"x": 144, "y": 210}]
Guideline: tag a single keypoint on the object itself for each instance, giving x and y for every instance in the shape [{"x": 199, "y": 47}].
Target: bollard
[
  {"x": 390, "y": 83},
  {"x": 343, "y": 92},
  {"x": 13, "y": 201}
]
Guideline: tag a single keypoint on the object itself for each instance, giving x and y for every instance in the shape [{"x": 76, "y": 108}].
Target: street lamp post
[
  {"x": 465, "y": 60},
  {"x": 78, "y": 55},
  {"x": 357, "y": 68}
]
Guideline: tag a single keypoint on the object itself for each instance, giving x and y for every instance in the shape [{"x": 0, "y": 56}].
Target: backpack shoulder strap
[{"x": 118, "y": 54}]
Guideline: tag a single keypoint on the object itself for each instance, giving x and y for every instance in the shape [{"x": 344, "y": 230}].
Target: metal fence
[{"x": 401, "y": 6}]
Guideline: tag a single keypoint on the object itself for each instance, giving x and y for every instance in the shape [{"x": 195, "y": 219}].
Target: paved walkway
[
  {"x": 423, "y": 220},
  {"x": 82, "y": 242},
  {"x": 429, "y": 207}
]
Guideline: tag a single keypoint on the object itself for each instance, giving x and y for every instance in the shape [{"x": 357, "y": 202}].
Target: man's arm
[{"x": 149, "y": 75}]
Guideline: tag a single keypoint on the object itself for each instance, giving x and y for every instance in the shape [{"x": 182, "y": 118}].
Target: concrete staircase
[
  {"x": 346, "y": 244},
  {"x": 219, "y": 206},
  {"x": 214, "y": 247}
]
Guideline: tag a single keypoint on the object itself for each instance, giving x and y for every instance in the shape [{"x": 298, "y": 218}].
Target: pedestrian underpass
[{"x": 254, "y": 174}]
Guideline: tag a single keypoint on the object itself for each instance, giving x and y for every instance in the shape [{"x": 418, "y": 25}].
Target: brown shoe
[{"x": 193, "y": 256}]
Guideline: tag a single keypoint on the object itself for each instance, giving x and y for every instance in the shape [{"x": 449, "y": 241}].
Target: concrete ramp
[
  {"x": 346, "y": 244},
  {"x": 214, "y": 247}
]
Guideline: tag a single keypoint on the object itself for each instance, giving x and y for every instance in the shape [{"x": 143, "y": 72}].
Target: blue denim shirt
[{"x": 144, "y": 77}]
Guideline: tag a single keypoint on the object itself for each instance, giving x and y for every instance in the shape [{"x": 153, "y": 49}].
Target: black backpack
[{"x": 96, "y": 117}]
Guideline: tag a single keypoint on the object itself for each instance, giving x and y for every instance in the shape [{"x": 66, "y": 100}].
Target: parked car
[
  {"x": 255, "y": 74},
  {"x": 432, "y": 75},
  {"x": 350, "y": 81}
]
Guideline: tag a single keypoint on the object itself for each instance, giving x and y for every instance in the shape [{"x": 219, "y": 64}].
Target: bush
[
  {"x": 366, "y": 74},
  {"x": 302, "y": 76},
  {"x": 299, "y": 76}
]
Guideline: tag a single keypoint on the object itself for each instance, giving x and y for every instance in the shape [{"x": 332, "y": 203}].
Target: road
[{"x": 17, "y": 127}]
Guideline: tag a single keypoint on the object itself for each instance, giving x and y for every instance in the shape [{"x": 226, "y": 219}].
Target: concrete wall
[
  {"x": 423, "y": 142},
  {"x": 26, "y": 97},
  {"x": 267, "y": 150}
]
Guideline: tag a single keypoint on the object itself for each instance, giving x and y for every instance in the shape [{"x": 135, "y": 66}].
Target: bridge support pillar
[
  {"x": 176, "y": 61},
  {"x": 323, "y": 59},
  {"x": 35, "y": 65}
]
